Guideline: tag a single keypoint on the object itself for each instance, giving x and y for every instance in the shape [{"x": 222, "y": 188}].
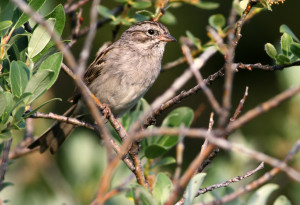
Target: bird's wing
[{"x": 93, "y": 71}]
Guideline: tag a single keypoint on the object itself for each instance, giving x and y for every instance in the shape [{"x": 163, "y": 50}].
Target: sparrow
[{"x": 119, "y": 77}]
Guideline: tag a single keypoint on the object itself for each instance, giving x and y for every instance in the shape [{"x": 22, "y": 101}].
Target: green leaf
[
  {"x": 168, "y": 18},
  {"x": 139, "y": 18},
  {"x": 141, "y": 4},
  {"x": 6, "y": 103},
  {"x": 5, "y": 25},
  {"x": 154, "y": 151},
  {"x": 145, "y": 13},
  {"x": 282, "y": 59},
  {"x": 19, "y": 77},
  {"x": 295, "y": 49},
  {"x": 52, "y": 63},
  {"x": 5, "y": 135},
  {"x": 19, "y": 113},
  {"x": 270, "y": 50},
  {"x": 179, "y": 116},
  {"x": 196, "y": 41},
  {"x": 21, "y": 100},
  {"x": 40, "y": 106},
  {"x": 285, "y": 29},
  {"x": 163, "y": 162},
  {"x": 217, "y": 21},
  {"x": 6, "y": 184},
  {"x": 105, "y": 12},
  {"x": 121, "y": 1},
  {"x": 40, "y": 39},
  {"x": 286, "y": 41},
  {"x": 17, "y": 37},
  {"x": 35, "y": 5},
  {"x": 261, "y": 196},
  {"x": 2, "y": 103},
  {"x": 38, "y": 84},
  {"x": 157, "y": 146},
  {"x": 193, "y": 187},
  {"x": 207, "y": 5},
  {"x": 7, "y": 8},
  {"x": 145, "y": 198},
  {"x": 21, "y": 124},
  {"x": 282, "y": 200},
  {"x": 162, "y": 188},
  {"x": 58, "y": 13}
]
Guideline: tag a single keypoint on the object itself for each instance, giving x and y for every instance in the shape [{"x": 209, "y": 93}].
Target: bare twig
[
  {"x": 65, "y": 119},
  {"x": 226, "y": 183},
  {"x": 209, "y": 94},
  {"x": 179, "y": 157}
]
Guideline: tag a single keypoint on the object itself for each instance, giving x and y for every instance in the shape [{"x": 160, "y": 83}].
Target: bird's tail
[{"x": 55, "y": 135}]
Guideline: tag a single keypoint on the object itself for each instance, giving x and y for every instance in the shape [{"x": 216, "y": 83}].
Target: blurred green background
[{"x": 71, "y": 176}]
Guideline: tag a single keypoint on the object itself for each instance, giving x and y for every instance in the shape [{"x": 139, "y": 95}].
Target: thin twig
[
  {"x": 256, "y": 183},
  {"x": 62, "y": 118},
  {"x": 226, "y": 183},
  {"x": 209, "y": 94}
]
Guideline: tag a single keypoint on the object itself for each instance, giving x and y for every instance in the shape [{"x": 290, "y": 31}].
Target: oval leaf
[
  {"x": 261, "y": 196},
  {"x": 154, "y": 151},
  {"x": 141, "y": 4},
  {"x": 295, "y": 49},
  {"x": 193, "y": 187},
  {"x": 162, "y": 188},
  {"x": 177, "y": 117},
  {"x": 52, "y": 63},
  {"x": 58, "y": 13},
  {"x": 105, "y": 12},
  {"x": 207, "y": 5},
  {"x": 282, "y": 200},
  {"x": 286, "y": 41},
  {"x": 270, "y": 50},
  {"x": 38, "y": 84},
  {"x": 35, "y": 5},
  {"x": 168, "y": 18},
  {"x": 217, "y": 21},
  {"x": 19, "y": 77},
  {"x": 40, "y": 39},
  {"x": 285, "y": 29},
  {"x": 5, "y": 25}
]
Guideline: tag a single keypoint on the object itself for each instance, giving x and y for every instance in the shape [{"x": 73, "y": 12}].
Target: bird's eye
[{"x": 151, "y": 31}]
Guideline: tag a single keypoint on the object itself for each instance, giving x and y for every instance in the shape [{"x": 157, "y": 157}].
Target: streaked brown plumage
[{"x": 119, "y": 76}]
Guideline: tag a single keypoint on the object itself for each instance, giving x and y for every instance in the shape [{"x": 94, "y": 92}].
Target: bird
[{"x": 119, "y": 77}]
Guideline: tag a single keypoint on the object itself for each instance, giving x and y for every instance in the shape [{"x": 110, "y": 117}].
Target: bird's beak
[{"x": 166, "y": 38}]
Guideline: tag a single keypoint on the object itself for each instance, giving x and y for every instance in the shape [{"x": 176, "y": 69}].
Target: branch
[
  {"x": 226, "y": 183},
  {"x": 256, "y": 183},
  {"x": 222, "y": 143},
  {"x": 262, "y": 108}
]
